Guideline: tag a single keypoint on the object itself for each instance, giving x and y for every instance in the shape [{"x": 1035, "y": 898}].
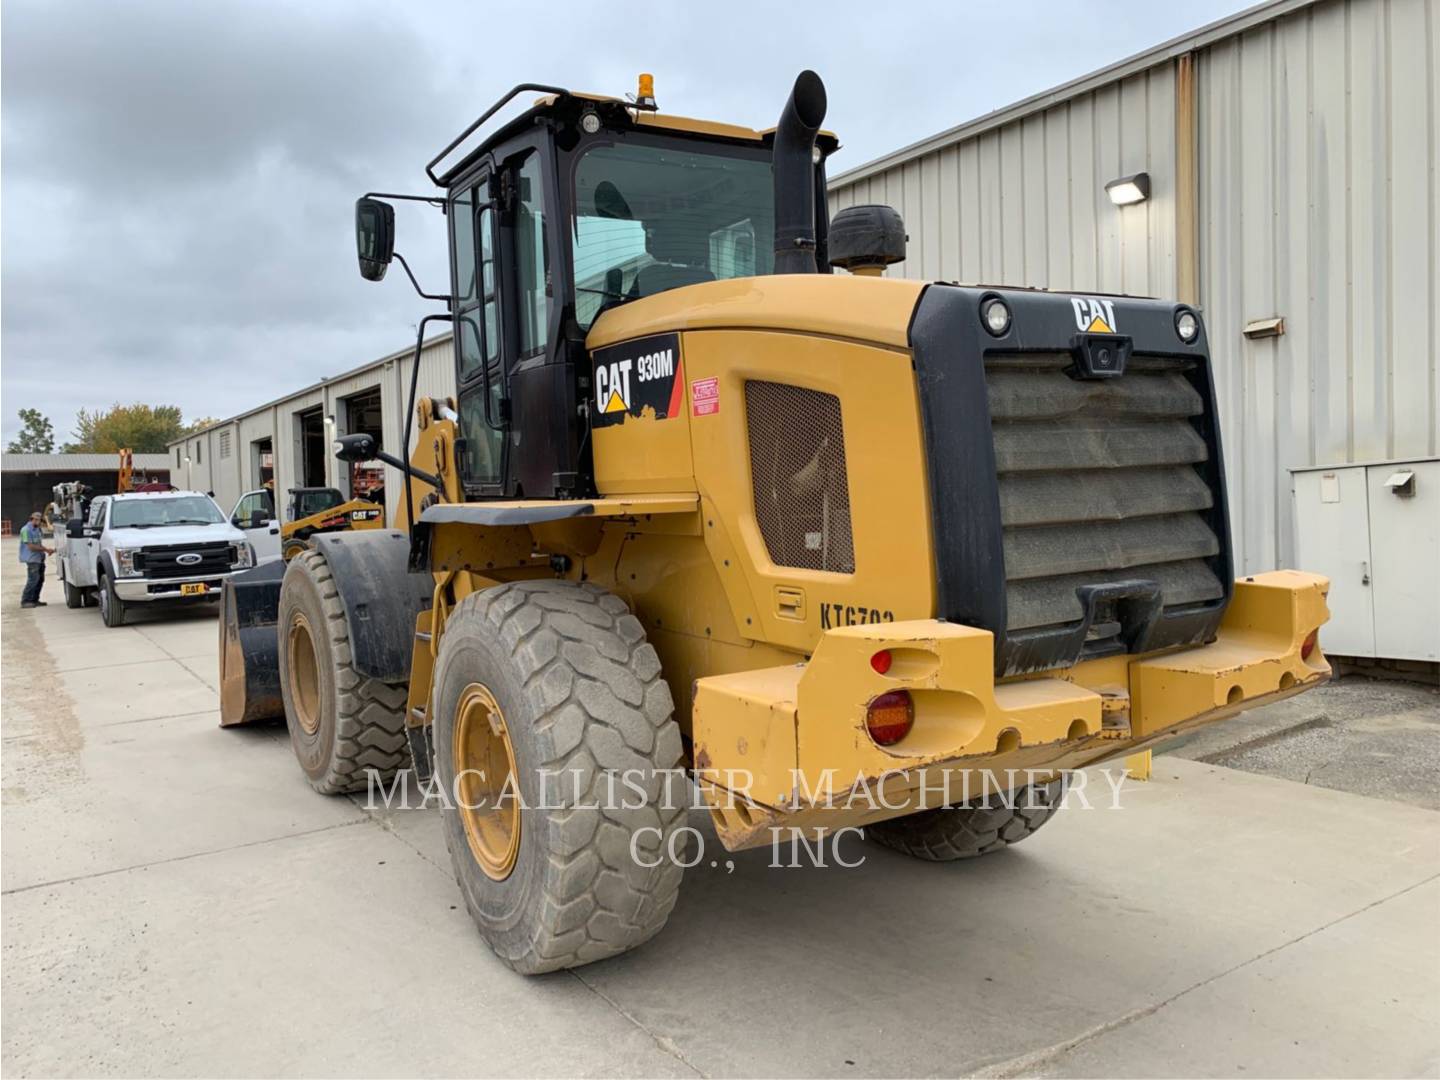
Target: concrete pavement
[{"x": 177, "y": 901}]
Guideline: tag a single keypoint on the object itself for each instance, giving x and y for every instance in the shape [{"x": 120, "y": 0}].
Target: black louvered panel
[{"x": 1100, "y": 481}]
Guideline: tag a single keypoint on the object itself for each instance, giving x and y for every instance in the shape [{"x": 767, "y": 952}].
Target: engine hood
[
  {"x": 168, "y": 535},
  {"x": 869, "y": 309}
]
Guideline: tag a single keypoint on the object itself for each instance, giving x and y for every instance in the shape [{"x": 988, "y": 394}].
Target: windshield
[
  {"x": 314, "y": 502},
  {"x": 157, "y": 513},
  {"x": 651, "y": 218}
]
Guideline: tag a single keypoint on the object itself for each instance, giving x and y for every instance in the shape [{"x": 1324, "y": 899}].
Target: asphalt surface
[{"x": 177, "y": 901}]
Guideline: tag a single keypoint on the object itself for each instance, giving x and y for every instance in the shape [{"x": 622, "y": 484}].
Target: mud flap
[{"x": 249, "y": 646}]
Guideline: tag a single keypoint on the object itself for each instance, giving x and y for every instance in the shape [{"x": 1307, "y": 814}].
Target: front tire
[
  {"x": 553, "y": 684},
  {"x": 948, "y": 833},
  {"x": 112, "y": 608},
  {"x": 343, "y": 726}
]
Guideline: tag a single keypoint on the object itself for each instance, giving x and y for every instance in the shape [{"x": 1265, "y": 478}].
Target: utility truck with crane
[{"x": 703, "y": 506}]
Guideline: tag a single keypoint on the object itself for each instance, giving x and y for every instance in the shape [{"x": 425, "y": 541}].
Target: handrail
[{"x": 486, "y": 115}]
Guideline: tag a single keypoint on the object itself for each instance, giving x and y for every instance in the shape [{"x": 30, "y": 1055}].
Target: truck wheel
[
  {"x": 112, "y": 608},
  {"x": 963, "y": 832},
  {"x": 549, "y": 689},
  {"x": 342, "y": 725},
  {"x": 74, "y": 597}
]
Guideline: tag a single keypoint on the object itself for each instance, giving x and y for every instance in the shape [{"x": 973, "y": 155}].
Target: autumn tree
[
  {"x": 145, "y": 429},
  {"x": 36, "y": 435}
]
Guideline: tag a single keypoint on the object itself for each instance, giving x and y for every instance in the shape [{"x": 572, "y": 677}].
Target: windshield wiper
[{"x": 190, "y": 521}]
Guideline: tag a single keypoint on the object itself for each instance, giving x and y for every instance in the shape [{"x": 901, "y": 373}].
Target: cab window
[
  {"x": 257, "y": 502},
  {"x": 532, "y": 258},
  {"x": 650, "y": 218}
]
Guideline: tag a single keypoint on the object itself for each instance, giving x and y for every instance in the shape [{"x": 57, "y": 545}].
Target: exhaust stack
[{"x": 794, "y": 167}]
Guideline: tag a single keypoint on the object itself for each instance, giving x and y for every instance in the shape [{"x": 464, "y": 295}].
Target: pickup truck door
[
  {"x": 254, "y": 515},
  {"x": 82, "y": 553}
]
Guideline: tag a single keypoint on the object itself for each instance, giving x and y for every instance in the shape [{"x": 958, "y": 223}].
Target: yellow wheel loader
[{"x": 833, "y": 550}]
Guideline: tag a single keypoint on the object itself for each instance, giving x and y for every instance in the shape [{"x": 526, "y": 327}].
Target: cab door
[
  {"x": 83, "y": 552},
  {"x": 254, "y": 515}
]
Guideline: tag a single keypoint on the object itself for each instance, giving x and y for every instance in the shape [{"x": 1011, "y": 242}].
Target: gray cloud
[{"x": 179, "y": 178}]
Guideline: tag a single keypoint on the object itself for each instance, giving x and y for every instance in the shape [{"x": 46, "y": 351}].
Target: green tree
[
  {"x": 145, "y": 429},
  {"x": 36, "y": 435}
]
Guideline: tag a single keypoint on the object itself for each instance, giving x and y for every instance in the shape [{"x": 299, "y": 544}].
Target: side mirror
[
  {"x": 357, "y": 447},
  {"x": 374, "y": 237},
  {"x": 259, "y": 519},
  {"x": 75, "y": 529}
]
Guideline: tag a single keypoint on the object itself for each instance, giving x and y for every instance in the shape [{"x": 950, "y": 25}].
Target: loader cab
[{"x": 579, "y": 205}]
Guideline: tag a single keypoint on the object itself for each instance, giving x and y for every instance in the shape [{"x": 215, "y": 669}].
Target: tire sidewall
[
  {"x": 301, "y": 598},
  {"x": 505, "y": 909}
]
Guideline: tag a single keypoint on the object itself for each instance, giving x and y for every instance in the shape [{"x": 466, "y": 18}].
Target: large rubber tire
[
  {"x": 112, "y": 608},
  {"x": 74, "y": 597},
  {"x": 582, "y": 696},
  {"x": 343, "y": 726},
  {"x": 979, "y": 828}
]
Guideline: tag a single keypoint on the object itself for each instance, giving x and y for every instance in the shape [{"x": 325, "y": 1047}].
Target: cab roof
[{"x": 558, "y": 104}]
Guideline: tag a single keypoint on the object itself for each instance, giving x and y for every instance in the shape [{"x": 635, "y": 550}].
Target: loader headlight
[
  {"x": 125, "y": 562},
  {"x": 1187, "y": 326},
  {"x": 996, "y": 314}
]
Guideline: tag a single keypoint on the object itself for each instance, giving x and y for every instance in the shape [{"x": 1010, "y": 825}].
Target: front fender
[{"x": 381, "y": 597}]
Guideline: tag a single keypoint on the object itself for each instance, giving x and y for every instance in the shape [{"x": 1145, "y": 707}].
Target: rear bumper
[{"x": 787, "y": 747}]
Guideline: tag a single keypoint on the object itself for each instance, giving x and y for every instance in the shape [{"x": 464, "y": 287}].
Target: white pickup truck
[{"x": 149, "y": 547}]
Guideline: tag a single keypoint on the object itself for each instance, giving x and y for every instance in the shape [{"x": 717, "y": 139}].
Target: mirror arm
[
  {"x": 450, "y": 300},
  {"x": 409, "y": 470}
]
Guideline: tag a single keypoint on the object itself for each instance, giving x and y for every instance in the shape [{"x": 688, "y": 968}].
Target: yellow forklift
[{"x": 717, "y": 501}]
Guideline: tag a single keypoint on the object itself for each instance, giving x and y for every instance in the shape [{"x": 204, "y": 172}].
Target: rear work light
[
  {"x": 890, "y": 717},
  {"x": 1308, "y": 645}
]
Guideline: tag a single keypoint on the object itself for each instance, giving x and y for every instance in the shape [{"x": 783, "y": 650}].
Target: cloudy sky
[{"x": 179, "y": 178}]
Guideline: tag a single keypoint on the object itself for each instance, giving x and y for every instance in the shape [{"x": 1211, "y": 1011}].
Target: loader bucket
[{"x": 249, "y": 646}]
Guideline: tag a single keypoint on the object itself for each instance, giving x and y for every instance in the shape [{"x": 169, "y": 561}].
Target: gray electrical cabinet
[{"x": 1374, "y": 530}]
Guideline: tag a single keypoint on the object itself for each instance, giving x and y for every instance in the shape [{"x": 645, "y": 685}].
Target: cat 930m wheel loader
[{"x": 706, "y": 515}]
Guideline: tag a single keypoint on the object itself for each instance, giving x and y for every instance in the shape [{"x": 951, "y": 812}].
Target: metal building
[
  {"x": 289, "y": 440},
  {"x": 1291, "y": 154}
]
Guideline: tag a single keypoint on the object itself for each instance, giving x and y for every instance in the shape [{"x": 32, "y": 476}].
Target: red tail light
[
  {"x": 881, "y": 661},
  {"x": 890, "y": 717},
  {"x": 1308, "y": 645}
]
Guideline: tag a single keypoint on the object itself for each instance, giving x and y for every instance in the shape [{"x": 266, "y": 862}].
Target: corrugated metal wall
[
  {"x": 235, "y": 474},
  {"x": 1317, "y": 144},
  {"x": 1316, "y": 150},
  {"x": 1025, "y": 203}
]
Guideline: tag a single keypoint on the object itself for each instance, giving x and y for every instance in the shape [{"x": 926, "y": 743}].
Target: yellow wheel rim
[
  {"x": 304, "y": 676},
  {"x": 485, "y": 779}
]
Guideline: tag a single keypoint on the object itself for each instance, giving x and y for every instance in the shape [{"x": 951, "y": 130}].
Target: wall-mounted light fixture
[
  {"x": 1129, "y": 190},
  {"x": 1263, "y": 328},
  {"x": 330, "y": 420}
]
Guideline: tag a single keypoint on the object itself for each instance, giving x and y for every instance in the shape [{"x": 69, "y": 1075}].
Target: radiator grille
[
  {"x": 159, "y": 561},
  {"x": 1098, "y": 483},
  {"x": 797, "y": 469}
]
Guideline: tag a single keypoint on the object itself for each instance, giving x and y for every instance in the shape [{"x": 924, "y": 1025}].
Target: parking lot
[{"x": 177, "y": 901}]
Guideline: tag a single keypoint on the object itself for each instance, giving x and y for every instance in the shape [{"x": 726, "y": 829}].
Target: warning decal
[
  {"x": 705, "y": 396},
  {"x": 638, "y": 378}
]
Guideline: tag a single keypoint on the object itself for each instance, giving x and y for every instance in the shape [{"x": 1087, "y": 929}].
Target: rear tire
[
  {"x": 74, "y": 598},
  {"x": 948, "y": 833},
  {"x": 573, "y": 696},
  {"x": 293, "y": 548},
  {"x": 112, "y": 608},
  {"x": 342, "y": 725}
]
